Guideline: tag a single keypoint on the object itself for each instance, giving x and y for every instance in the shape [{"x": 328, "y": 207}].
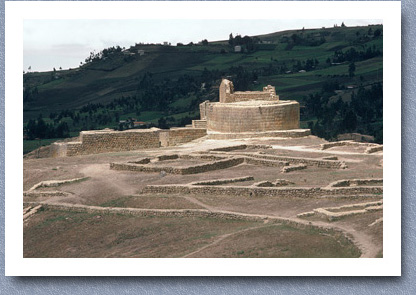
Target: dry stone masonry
[
  {"x": 105, "y": 141},
  {"x": 336, "y": 213},
  {"x": 246, "y": 114}
]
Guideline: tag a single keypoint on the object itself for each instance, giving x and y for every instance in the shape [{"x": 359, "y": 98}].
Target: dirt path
[
  {"x": 197, "y": 202},
  {"x": 100, "y": 175},
  {"x": 222, "y": 237}
]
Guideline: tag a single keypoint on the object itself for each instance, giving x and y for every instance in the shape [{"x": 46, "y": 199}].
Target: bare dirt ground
[{"x": 67, "y": 233}]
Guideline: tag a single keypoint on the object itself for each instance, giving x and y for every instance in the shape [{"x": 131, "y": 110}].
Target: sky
[{"x": 49, "y": 44}]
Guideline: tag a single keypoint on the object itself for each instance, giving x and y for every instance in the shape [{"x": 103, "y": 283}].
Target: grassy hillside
[{"x": 165, "y": 85}]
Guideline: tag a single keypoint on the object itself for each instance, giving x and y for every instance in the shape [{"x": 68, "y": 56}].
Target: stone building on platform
[{"x": 241, "y": 114}]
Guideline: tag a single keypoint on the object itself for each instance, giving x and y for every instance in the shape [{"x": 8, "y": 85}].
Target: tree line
[{"x": 363, "y": 113}]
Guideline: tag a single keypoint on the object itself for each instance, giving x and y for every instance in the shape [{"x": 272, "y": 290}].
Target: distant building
[
  {"x": 237, "y": 48},
  {"x": 139, "y": 124},
  {"x": 140, "y": 52}
]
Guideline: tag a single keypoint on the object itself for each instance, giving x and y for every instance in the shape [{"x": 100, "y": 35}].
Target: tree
[
  {"x": 204, "y": 42},
  {"x": 328, "y": 61},
  {"x": 62, "y": 130},
  {"x": 377, "y": 33},
  {"x": 349, "y": 123},
  {"x": 351, "y": 69},
  {"x": 162, "y": 123},
  {"x": 343, "y": 25},
  {"x": 231, "y": 40}
]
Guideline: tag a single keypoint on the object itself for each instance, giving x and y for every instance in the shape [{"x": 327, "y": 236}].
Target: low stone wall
[
  {"x": 230, "y": 148},
  {"x": 223, "y": 181},
  {"x": 336, "y": 213},
  {"x": 328, "y": 145},
  {"x": 265, "y": 162},
  {"x": 167, "y": 157},
  {"x": 47, "y": 194},
  {"x": 55, "y": 183},
  {"x": 373, "y": 149},
  {"x": 294, "y": 133},
  {"x": 293, "y": 168},
  {"x": 141, "y": 161},
  {"x": 330, "y": 158},
  {"x": 194, "y": 169},
  {"x": 204, "y": 157},
  {"x": 356, "y": 182},
  {"x": 306, "y": 161},
  {"x": 277, "y": 183},
  {"x": 300, "y": 192},
  {"x": 263, "y": 184},
  {"x": 241, "y": 147}
]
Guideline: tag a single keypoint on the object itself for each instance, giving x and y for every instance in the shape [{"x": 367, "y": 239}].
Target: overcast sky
[{"x": 65, "y": 43}]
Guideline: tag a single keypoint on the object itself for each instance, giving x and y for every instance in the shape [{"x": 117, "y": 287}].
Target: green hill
[{"x": 165, "y": 85}]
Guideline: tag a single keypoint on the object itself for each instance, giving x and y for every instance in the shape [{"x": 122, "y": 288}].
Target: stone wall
[
  {"x": 199, "y": 124},
  {"x": 328, "y": 145},
  {"x": 252, "y": 95},
  {"x": 296, "y": 160},
  {"x": 264, "y": 162},
  {"x": 288, "y": 169},
  {"x": 164, "y": 138},
  {"x": 182, "y": 135},
  {"x": 373, "y": 149},
  {"x": 227, "y": 94},
  {"x": 203, "y": 110},
  {"x": 299, "y": 192},
  {"x": 223, "y": 181},
  {"x": 58, "y": 149},
  {"x": 233, "y": 118},
  {"x": 104, "y": 141},
  {"x": 94, "y": 142},
  {"x": 192, "y": 169},
  {"x": 294, "y": 133},
  {"x": 356, "y": 182}
]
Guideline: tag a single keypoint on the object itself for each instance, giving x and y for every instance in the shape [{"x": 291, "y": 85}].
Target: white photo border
[{"x": 389, "y": 265}]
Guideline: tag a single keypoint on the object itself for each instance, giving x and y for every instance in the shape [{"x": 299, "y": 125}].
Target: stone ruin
[
  {"x": 250, "y": 114},
  {"x": 238, "y": 114}
]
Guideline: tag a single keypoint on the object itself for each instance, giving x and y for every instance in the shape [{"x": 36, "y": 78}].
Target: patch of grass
[
  {"x": 63, "y": 216},
  {"x": 120, "y": 202}
]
